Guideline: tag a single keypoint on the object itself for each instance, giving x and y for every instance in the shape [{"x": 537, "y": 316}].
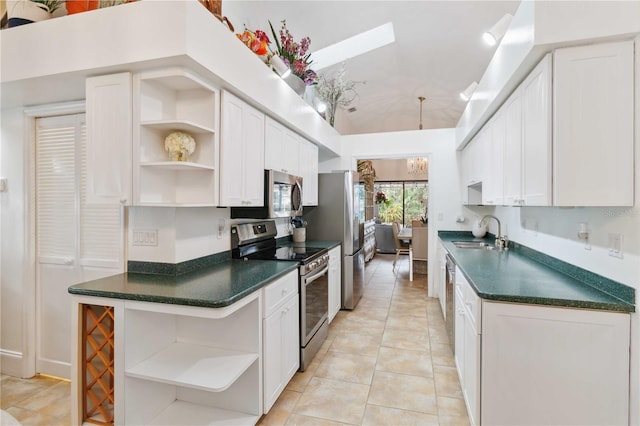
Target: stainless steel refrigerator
[{"x": 338, "y": 216}]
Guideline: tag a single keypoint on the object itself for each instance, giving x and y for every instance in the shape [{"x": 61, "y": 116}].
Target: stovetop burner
[{"x": 296, "y": 253}]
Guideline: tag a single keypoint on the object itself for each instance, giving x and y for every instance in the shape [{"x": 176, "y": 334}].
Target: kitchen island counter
[
  {"x": 523, "y": 275},
  {"x": 216, "y": 286}
]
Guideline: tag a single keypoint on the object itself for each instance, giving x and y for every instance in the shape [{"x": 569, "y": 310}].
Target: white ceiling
[{"x": 438, "y": 52}]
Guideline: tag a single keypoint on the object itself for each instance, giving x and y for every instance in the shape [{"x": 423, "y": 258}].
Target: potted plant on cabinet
[{"x": 22, "y": 12}]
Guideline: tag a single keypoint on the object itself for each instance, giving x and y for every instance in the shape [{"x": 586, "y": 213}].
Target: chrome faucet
[{"x": 502, "y": 242}]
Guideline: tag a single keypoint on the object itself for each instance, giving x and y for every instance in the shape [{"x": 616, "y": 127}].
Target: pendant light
[{"x": 418, "y": 165}]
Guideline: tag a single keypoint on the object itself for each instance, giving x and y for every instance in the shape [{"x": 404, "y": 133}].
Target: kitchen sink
[{"x": 473, "y": 245}]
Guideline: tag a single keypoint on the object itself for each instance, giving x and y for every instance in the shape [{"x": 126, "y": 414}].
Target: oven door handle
[{"x": 314, "y": 277}]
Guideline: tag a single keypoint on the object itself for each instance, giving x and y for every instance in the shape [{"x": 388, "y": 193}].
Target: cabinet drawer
[
  {"x": 278, "y": 291},
  {"x": 470, "y": 300}
]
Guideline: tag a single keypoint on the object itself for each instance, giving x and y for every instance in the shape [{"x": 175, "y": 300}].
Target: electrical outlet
[
  {"x": 220, "y": 228},
  {"x": 145, "y": 237},
  {"x": 615, "y": 245}
]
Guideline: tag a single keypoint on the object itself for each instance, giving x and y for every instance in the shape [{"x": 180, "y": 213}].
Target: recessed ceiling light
[{"x": 353, "y": 46}]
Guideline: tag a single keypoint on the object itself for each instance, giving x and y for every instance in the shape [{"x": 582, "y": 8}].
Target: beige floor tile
[
  {"x": 378, "y": 416},
  {"x": 441, "y": 354},
  {"x": 447, "y": 382},
  {"x": 406, "y": 339},
  {"x": 404, "y": 361},
  {"x": 333, "y": 400},
  {"x": 416, "y": 309},
  {"x": 376, "y": 314},
  {"x": 282, "y": 409},
  {"x": 301, "y": 379},
  {"x": 347, "y": 367},
  {"x": 453, "y": 421},
  {"x": 452, "y": 407},
  {"x": 358, "y": 325},
  {"x": 33, "y": 418},
  {"x": 359, "y": 344},
  {"x": 299, "y": 420},
  {"x": 407, "y": 322},
  {"x": 46, "y": 398},
  {"x": 404, "y": 392},
  {"x": 438, "y": 334}
]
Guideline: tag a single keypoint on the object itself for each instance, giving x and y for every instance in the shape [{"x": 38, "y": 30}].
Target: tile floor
[{"x": 387, "y": 362}]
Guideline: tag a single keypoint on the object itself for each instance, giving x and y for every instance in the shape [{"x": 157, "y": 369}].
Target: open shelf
[
  {"x": 165, "y": 101},
  {"x": 177, "y": 165},
  {"x": 194, "y": 366},
  {"x": 177, "y": 412},
  {"x": 181, "y": 125}
]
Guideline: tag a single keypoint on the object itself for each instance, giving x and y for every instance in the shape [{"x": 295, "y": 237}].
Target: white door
[{"x": 75, "y": 242}]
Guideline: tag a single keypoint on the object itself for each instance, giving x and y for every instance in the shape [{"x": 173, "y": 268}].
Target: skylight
[{"x": 353, "y": 46}]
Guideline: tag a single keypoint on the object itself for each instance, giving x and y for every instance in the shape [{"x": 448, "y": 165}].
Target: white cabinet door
[
  {"x": 281, "y": 148},
  {"x": 281, "y": 341},
  {"x": 291, "y": 335},
  {"x": 458, "y": 307},
  {"x": 309, "y": 172},
  {"x": 547, "y": 365},
  {"x": 274, "y": 340},
  {"x": 335, "y": 282},
  {"x": 109, "y": 139},
  {"x": 536, "y": 136},
  {"x": 241, "y": 154},
  {"x": 253, "y": 164},
  {"x": 593, "y": 125},
  {"x": 471, "y": 389},
  {"x": 513, "y": 149},
  {"x": 492, "y": 183},
  {"x": 281, "y": 353}
]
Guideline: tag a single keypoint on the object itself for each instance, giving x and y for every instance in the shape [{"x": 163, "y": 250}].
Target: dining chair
[
  {"x": 419, "y": 244},
  {"x": 401, "y": 246}
]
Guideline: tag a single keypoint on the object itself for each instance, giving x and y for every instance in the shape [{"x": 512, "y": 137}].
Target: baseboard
[{"x": 11, "y": 363}]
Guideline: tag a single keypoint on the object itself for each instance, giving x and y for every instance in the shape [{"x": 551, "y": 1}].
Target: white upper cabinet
[
  {"x": 241, "y": 153},
  {"x": 527, "y": 161},
  {"x": 309, "y": 172},
  {"x": 109, "y": 142},
  {"x": 513, "y": 149},
  {"x": 593, "y": 125},
  {"x": 281, "y": 148},
  {"x": 536, "y": 136},
  {"x": 166, "y": 101},
  {"x": 493, "y": 154}
]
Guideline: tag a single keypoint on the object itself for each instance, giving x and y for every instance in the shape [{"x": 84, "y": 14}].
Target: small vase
[
  {"x": 296, "y": 83},
  {"x": 178, "y": 156},
  {"x": 25, "y": 12}
]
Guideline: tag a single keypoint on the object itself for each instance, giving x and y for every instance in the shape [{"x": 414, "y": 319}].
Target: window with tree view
[{"x": 401, "y": 201}]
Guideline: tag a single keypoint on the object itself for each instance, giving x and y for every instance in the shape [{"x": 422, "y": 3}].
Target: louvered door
[{"x": 75, "y": 242}]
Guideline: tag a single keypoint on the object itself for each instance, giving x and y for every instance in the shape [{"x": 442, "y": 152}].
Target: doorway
[{"x": 75, "y": 241}]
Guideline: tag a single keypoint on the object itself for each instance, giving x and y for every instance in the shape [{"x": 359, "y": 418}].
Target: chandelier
[{"x": 417, "y": 165}]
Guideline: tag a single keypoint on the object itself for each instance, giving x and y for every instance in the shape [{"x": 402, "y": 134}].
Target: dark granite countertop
[
  {"x": 522, "y": 275},
  {"x": 213, "y": 287}
]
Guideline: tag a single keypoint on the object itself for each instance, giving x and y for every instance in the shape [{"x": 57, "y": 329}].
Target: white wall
[
  {"x": 445, "y": 203},
  {"x": 13, "y": 290}
]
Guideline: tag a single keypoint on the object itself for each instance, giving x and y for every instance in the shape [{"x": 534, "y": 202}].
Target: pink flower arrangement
[{"x": 294, "y": 54}]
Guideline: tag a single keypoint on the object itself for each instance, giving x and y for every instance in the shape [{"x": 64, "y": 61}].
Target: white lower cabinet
[
  {"x": 546, "y": 365},
  {"x": 467, "y": 338},
  {"x": 281, "y": 350},
  {"x": 192, "y": 364},
  {"x": 539, "y": 365},
  {"x": 335, "y": 281}
]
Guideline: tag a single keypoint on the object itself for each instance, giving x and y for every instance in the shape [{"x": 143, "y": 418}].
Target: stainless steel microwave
[{"x": 282, "y": 198}]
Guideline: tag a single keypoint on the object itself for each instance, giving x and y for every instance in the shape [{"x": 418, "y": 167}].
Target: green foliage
[{"x": 391, "y": 212}]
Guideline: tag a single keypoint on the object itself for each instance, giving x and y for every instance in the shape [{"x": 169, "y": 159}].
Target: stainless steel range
[{"x": 256, "y": 240}]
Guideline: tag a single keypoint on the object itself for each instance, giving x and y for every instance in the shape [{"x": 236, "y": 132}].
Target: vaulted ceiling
[{"x": 438, "y": 52}]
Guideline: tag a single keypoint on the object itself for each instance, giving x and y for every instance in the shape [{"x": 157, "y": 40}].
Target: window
[{"x": 400, "y": 201}]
